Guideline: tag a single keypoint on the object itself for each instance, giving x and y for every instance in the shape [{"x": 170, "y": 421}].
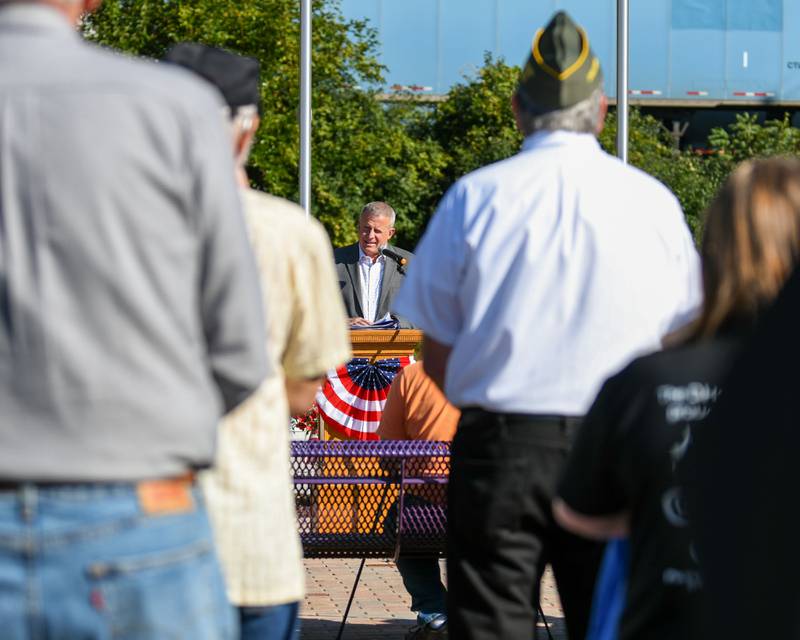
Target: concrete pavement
[{"x": 380, "y": 609}]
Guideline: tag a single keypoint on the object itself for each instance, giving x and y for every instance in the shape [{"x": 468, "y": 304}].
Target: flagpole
[
  {"x": 622, "y": 80},
  {"x": 305, "y": 106}
]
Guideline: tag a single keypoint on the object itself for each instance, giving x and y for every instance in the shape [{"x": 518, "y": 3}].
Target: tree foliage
[
  {"x": 475, "y": 125},
  {"x": 746, "y": 139},
  {"x": 403, "y": 152},
  {"x": 361, "y": 149},
  {"x": 651, "y": 148}
]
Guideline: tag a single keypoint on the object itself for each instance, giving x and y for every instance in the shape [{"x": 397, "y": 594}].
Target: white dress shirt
[
  {"x": 547, "y": 272},
  {"x": 370, "y": 278}
]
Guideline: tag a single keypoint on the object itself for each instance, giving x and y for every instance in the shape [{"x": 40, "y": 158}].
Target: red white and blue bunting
[{"x": 351, "y": 400}]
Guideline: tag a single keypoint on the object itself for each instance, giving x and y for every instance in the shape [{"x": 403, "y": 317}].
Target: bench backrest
[{"x": 371, "y": 499}]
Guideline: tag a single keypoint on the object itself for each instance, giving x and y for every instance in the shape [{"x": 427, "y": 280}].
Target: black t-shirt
[
  {"x": 624, "y": 459},
  {"x": 745, "y": 469}
]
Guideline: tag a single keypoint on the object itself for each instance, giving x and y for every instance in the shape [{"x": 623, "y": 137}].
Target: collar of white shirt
[
  {"x": 542, "y": 139},
  {"x": 371, "y": 279},
  {"x": 363, "y": 258}
]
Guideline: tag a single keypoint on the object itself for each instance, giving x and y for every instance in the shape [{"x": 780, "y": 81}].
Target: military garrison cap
[
  {"x": 236, "y": 77},
  {"x": 561, "y": 70}
]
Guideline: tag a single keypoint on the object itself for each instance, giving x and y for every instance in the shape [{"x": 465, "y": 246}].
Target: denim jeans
[
  {"x": 421, "y": 576},
  {"x": 610, "y": 592},
  {"x": 270, "y": 623},
  {"x": 422, "y": 580},
  {"x": 84, "y": 562}
]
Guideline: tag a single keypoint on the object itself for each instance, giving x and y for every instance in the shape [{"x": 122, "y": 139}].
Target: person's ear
[
  {"x": 244, "y": 142},
  {"x": 391, "y": 233},
  {"x": 602, "y": 116}
]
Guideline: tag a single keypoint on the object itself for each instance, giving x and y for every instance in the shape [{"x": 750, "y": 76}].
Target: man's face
[{"x": 373, "y": 234}]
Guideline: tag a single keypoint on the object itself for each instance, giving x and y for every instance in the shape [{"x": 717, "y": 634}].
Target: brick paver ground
[{"x": 380, "y": 610}]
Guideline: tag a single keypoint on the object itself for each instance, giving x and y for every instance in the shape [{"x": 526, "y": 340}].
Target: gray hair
[
  {"x": 582, "y": 117},
  {"x": 379, "y": 209}
]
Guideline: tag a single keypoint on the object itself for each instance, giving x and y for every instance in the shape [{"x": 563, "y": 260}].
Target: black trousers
[{"x": 501, "y": 531}]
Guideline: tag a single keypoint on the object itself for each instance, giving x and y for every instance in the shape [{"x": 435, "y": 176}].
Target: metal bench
[{"x": 374, "y": 499}]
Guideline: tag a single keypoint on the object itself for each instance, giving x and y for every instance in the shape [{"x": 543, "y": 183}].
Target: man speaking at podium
[{"x": 371, "y": 272}]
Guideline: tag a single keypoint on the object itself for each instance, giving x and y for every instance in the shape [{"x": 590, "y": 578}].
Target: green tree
[
  {"x": 746, "y": 139},
  {"x": 475, "y": 125},
  {"x": 361, "y": 150},
  {"x": 402, "y": 152},
  {"x": 690, "y": 177}
]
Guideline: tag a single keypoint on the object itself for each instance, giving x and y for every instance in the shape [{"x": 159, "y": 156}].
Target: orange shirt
[{"x": 416, "y": 409}]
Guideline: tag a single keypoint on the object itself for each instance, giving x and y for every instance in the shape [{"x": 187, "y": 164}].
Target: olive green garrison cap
[{"x": 561, "y": 70}]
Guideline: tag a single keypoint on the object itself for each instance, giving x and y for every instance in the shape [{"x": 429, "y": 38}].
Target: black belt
[
  {"x": 545, "y": 424},
  {"x": 16, "y": 485}
]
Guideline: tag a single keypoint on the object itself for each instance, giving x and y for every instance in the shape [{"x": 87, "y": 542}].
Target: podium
[
  {"x": 366, "y": 496},
  {"x": 374, "y": 346},
  {"x": 385, "y": 343}
]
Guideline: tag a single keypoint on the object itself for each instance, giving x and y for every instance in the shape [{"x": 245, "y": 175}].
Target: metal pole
[
  {"x": 305, "y": 105},
  {"x": 622, "y": 80}
]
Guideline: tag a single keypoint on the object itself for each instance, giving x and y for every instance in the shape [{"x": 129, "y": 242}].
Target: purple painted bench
[
  {"x": 371, "y": 499},
  {"x": 374, "y": 499}
]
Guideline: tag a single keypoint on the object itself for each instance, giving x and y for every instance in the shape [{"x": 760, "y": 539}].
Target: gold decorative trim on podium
[{"x": 378, "y": 344}]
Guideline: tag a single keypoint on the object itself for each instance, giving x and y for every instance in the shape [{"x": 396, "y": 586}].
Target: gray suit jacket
[{"x": 346, "y": 259}]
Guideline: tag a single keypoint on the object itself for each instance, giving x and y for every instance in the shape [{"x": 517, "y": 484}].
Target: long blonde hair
[{"x": 751, "y": 243}]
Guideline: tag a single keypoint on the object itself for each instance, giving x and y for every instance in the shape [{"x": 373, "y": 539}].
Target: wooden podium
[
  {"x": 354, "y": 508},
  {"x": 379, "y": 344},
  {"x": 384, "y": 343}
]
